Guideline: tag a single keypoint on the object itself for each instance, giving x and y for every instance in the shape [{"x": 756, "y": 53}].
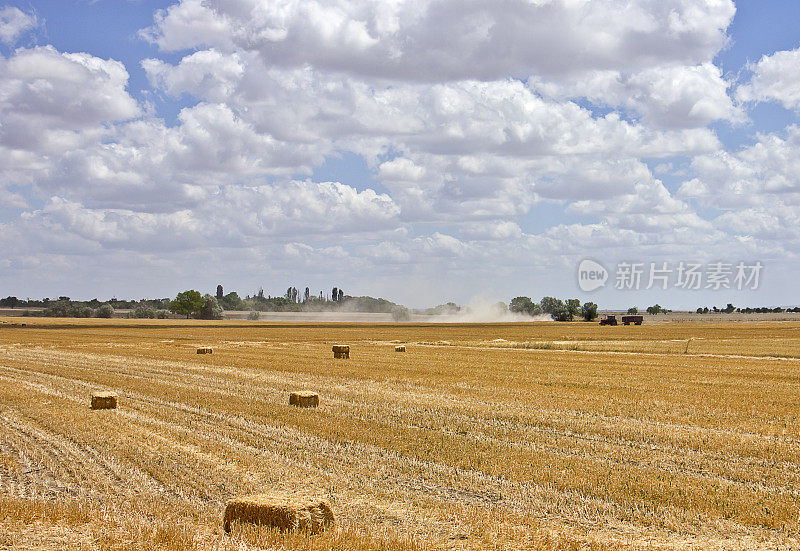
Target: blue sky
[{"x": 409, "y": 150}]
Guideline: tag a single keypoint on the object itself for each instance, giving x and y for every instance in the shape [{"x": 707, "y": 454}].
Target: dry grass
[{"x": 536, "y": 436}]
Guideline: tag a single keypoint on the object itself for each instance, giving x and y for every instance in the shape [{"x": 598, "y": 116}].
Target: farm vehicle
[{"x": 626, "y": 320}]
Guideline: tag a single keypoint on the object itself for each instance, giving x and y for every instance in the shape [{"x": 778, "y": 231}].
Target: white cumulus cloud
[
  {"x": 14, "y": 23},
  {"x": 776, "y": 78},
  {"x": 448, "y": 39}
]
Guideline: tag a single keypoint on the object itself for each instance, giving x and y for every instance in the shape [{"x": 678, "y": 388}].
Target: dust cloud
[{"x": 480, "y": 310}]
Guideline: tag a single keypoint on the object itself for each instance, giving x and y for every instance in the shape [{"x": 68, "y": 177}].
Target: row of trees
[
  {"x": 188, "y": 303},
  {"x": 292, "y": 295},
  {"x": 192, "y": 304},
  {"x": 66, "y": 308},
  {"x": 559, "y": 310},
  {"x": 147, "y": 308},
  {"x": 14, "y": 302},
  {"x": 729, "y": 309},
  {"x": 291, "y": 301},
  {"x": 652, "y": 310}
]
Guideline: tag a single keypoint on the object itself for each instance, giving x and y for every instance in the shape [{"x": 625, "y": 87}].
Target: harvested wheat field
[{"x": 517, "y": 436}]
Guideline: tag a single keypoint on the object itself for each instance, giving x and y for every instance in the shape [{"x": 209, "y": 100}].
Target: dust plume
[{"x": 481, "y": 310}]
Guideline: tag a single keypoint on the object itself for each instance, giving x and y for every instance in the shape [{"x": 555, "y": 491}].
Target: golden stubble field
[{"x": 509, "y": 436}]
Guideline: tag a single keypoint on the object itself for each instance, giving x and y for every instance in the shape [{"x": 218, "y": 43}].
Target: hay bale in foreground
[
  {"x": 205, "y": 350},
  {"x": 400, "y": 348},
  {"x": 104, "y": 400},
  {"x": 282, "y": 511},
  {"x": 341, "y": 351},
  {"x": 304, "y": 399}
]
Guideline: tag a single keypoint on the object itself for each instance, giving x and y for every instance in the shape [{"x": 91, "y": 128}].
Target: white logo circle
[{"x": 591, "y": 275}]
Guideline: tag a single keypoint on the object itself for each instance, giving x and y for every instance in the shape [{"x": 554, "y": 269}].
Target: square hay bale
[
  {"x": 304, "y": 399},
  {"x": 341, "y": 351},
  {"x": 283, "y": 511},
  {"x": 104, "y": 400},
  {"x": 400, "y": 348},
  {"x": 205, "y": 350}
]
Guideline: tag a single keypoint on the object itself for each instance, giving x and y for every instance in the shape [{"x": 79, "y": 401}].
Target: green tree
[
  {"x": 231, "y": 301},
  {"x": 187, "y": 303},
  {"x": 589, "y": 311},
  {"x": 524, "y": 305},
  {"x": 573, "y": 307},
  {"x": 144, "y": 312},
  {"x": 59, "y": 309},
  {"x": 560, "y": 312},
  {"x": 11, "y": 302},
  {"x": 550, "y": 305},
  {"x": 105, "y": 311},
  {"x": 556, "y": 308},
  {"x": 210, "y": 310},
  {"x": 521, "y": 305},
  {"x": 83, "y": 312},
  {"x": 633, "y": 310}
]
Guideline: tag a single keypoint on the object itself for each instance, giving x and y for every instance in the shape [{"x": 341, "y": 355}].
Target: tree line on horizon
[
  {"x": 729, "y": 309},
  {"x": 559, "y": 310},
  {"x": 193, "y": 304}
]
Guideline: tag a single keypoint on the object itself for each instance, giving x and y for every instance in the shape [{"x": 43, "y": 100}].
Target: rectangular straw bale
[
  {"x": 341, "y": 351},
  {"x": 400, "y": 348},
  {"x": 205, "y": 350},
  {"x": 104, "y": 400},
  {"x": 282, "y": 511},
  {"x": 304, "y": 399}
]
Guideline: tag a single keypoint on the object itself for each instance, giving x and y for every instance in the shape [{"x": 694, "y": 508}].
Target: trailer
[
  {"x": 636, "y": 320},
  {"x": 626, "y": 320}
]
